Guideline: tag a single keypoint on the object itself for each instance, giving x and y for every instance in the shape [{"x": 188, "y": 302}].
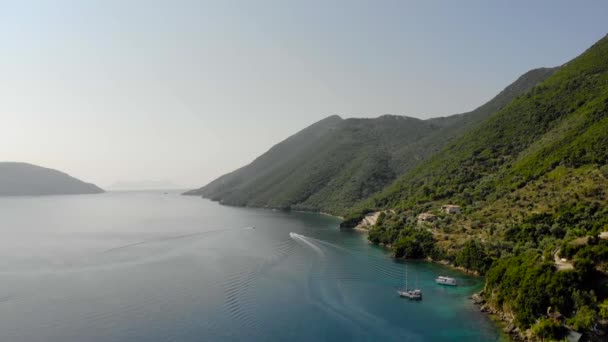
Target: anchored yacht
[
  {"x": 415, "y": 294},
  {"x": 441, "y": 280}
]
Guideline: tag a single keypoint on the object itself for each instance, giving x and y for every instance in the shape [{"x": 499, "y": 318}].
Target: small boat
[
  {"x": 441, "y": 280},
  {"x": 411, "y": 294}
]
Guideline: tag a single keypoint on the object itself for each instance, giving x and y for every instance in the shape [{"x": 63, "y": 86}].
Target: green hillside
[
  {"x": 334, "y": 164},
  {"x": 531, "y": 180}
]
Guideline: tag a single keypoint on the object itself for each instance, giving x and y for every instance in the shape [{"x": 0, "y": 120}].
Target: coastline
[
  {"x": 501, "y": 319},
  {"x": 458, "y": 268},
  {"x": 318, "y": 212},
  {"x": 505, "y": 330},
  {"x": 188, "y": 193}
]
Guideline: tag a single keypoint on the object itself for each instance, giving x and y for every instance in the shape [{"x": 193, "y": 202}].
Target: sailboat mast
[{"x": 405, "y": 277}]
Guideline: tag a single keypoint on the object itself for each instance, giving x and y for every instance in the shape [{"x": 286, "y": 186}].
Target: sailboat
[{"x": 415, "y": 294}]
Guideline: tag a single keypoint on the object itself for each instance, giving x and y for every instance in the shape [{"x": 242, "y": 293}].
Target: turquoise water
[{"x": 148, "y": 266}]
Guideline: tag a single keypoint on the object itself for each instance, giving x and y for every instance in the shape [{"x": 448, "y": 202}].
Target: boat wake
[
  {"x": 239, "y": 302},
  {"x": 127, "y": 255},
  {"x": 329, "y": 277},
  {"x": 306, "y": 241},
  {"x": 174, "y": 237},
  {"x": 390, "y": 271}
]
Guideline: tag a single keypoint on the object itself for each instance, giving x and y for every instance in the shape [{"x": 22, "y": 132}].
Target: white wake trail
[{"x": 305, "y": 240}]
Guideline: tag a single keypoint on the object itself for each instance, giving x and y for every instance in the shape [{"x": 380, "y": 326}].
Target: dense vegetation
[
  {"x": 21, "y": 179},
  {"x": 532, "y": 182},
  {"x": 335, "y": 163}
]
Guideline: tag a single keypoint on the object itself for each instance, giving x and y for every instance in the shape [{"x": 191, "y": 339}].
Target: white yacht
[
  {"x": 441, "y": 280},
  {"x": 411, "y": 294}
]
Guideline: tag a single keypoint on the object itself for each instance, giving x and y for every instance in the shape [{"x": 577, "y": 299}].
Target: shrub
[
  {"x": 548, "y": 329},
  {"x": 584, "y": 319}
]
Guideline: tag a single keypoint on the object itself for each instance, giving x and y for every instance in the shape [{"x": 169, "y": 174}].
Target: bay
[{"x": 156, "y": 266}]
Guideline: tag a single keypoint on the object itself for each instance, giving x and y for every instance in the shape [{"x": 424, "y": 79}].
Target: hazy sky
[{"x": 188, "y": 90}]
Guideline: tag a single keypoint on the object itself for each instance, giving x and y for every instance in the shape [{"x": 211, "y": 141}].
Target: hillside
[
  {"x": 21, "y": 179},
  {"x": 532, "y": 183},
  {"x": 336, "y": 163}
]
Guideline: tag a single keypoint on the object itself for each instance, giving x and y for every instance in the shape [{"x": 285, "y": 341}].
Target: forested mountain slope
[
  {"x": 335, "y": 163},
  {"x": 532, "y": 183}
]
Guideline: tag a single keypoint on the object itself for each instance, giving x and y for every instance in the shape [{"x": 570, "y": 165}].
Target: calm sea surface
[{"x": 149, "y": 266}]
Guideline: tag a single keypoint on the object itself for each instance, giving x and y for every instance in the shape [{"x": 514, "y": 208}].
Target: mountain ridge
[{"x": 348, "y": 160}]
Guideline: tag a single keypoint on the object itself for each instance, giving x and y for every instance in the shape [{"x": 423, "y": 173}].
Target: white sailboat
[{"x": 415, "y": 294}]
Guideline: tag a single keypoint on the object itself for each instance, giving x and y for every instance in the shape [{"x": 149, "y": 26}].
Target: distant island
[
  {"x": 146, "y": 184},
  {"x": 22, "y": 179}
]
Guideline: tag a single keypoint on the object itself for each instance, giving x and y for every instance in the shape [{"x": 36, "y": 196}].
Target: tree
[
  {"x": 414, "y": 244},
  {"x": 604, "y": 309},
  {"x": 473, "y": 256},
  {"x": 584, "y": 319},
  {"x": 585, "y": 268},
  {"x": 547, "y": 329}
]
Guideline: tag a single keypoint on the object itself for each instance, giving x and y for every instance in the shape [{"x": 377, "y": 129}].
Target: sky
[{"x": 184, "y": 91}]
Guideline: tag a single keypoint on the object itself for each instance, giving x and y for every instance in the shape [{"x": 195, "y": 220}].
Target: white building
[{"x": 451, "y": 209}]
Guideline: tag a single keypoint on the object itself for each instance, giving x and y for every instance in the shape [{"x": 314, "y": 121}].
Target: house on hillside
[
  {"x": 426, "y": 217},
  {"x": 604, "y": 235},
  {"x": 451, "y": 209}
]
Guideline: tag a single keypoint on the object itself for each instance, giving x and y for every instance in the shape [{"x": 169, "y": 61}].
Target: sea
[{"x": 157, "y": 266}]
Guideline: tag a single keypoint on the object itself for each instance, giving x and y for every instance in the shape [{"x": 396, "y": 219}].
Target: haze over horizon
[{"x": 148, "y": 90}]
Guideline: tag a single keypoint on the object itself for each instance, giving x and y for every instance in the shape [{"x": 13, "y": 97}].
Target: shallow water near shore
[{"x": 149, "y": 266}]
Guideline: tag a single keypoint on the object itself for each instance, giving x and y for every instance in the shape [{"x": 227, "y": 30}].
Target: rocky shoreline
[{"x": 504, "y": 320}]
